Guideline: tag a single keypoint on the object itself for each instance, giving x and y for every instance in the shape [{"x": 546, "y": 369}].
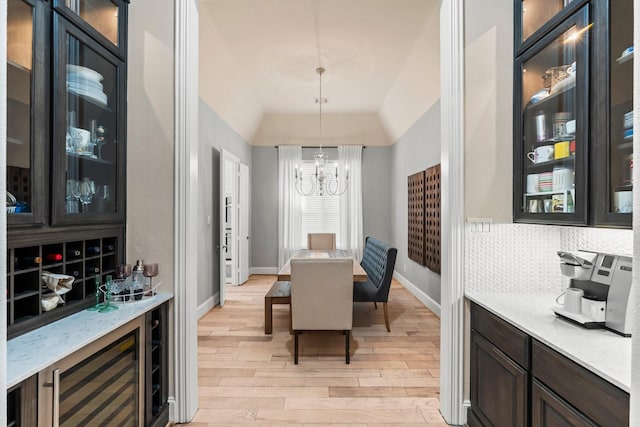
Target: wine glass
[
  {"x": 97, "y": 305},
  {"x": 87, "y": 190},
  {"x": 107, "y": 296},
  {"x": 150, "y": 271},
  {"x": 123, "y": 271},
  {"x": 97, "y": 136},
  {"x": 70, "y": 197}
]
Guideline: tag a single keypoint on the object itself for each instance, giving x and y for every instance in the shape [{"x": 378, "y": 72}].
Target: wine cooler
[{"x": 98, "y": 386}]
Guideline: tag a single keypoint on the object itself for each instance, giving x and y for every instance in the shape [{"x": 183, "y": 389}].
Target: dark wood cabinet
[
  {"x": 573, "y": 112},
  {"x": 66, "y": 151},
  {"x": 157, "y": 367},
  {"x": 28, "y": 29},
  {"x": 88, "y": 157},
  {"x": 549, "y": 410},
  {"x": 22, "y": 404},
  {"x": 94, "y": 256},
  {"x": 498, "y": 386},
  {"x": 516, "y": 380}
]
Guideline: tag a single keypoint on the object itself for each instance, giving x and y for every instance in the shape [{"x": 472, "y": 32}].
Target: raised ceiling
[{"x": 258, "y": 61}]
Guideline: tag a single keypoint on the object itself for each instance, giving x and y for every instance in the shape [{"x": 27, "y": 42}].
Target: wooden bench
[{"x": 280, "y": 293}]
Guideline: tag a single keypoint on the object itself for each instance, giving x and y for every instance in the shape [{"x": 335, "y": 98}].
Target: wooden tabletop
[{"x": 359, "y": 275}]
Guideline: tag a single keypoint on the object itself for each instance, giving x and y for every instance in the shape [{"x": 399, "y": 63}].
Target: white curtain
[
  {"x": 350, "y": 157},
  {"x": 289, "y": 203}
]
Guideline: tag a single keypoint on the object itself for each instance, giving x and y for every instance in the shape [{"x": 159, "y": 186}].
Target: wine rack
[
  {"x": 157, "y": 393},
  {"x": 84, "y": 260}
]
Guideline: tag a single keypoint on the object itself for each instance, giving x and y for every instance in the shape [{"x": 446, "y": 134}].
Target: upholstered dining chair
[
  {"x": 322, "y": 297},
  {"x": 321, "y": 241},
  {"x": 378, "y": 260}
]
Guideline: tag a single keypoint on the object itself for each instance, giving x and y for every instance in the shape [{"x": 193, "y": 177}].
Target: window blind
[{"x": 320, "y": 214}]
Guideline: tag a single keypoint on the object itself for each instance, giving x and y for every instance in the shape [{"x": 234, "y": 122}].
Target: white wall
[
  {"x": 150, "y": 144},
  {"x": 488, "y": 109},
  {"x": 416, "y": 150}
]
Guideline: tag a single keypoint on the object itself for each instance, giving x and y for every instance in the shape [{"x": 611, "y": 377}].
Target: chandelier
[{"x": 323, "y": 181}]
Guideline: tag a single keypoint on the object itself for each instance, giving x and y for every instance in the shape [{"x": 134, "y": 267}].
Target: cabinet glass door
[
  {"x": 538, "y": 14},
  {"x": 25, "y": 165},
  {"x": 103, "y": 19},
  {"x": 614, "y": 138},
  {"x": 550, "y": 160},
  {"x": 88, "y": 157}
]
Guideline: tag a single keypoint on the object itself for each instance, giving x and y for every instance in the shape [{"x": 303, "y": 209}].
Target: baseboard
[
  {"x": 211, "y": 302},
  {"x": 418, "y": 293},
  {"x": 263, "y": 270}
]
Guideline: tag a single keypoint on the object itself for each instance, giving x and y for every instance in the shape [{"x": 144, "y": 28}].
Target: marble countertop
[
  {"x": 31, "y": 352},
  {"x": 600, "y": 351}
]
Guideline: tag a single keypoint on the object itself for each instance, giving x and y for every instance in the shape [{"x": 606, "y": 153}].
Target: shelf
[
  {"x": 89, "y": 159},
  {"x": 546, "y": 193},
  {"x": 625, "y": 58},
  {"x": 22, "y": 295},
  {"x": 548, "y": 99},
  {"x": 90, "y": 100},
  {"x": 545, "y": 166},
  {"x": 625, "y": 145}
]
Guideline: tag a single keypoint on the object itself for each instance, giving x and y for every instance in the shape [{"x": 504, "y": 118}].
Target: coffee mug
[
  {"x": 573, "y": 300},
  {"x": 562, "y": 149},
  {"x": 544, "y": 153},
  {"x": 535, "y": 206},
  {"x": 562, "y": 179},
  {"x": 623, "y": 201},
  {"x": 532, "y": 183}
]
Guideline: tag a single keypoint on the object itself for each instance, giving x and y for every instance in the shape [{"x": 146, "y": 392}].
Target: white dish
[
  {"x": 98, "y": 98},
  {"x": 84, "y": 72}
]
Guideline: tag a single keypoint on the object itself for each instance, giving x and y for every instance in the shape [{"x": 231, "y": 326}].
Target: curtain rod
[{"x": 324, "y": 146}]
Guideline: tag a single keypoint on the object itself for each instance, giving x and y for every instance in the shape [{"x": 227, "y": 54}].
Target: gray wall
[
  {"x": 376, "y": 192},
  {"x": 376, "y": 187},
  {"x": 416, "y": 150},
  {"x": 214, "y": 134},
  {"x": 264, "y": 207}
]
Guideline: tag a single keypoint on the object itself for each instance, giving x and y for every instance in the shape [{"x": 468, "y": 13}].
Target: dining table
[{"x": 359, "y": 275}]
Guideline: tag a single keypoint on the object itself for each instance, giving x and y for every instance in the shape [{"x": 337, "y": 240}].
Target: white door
[
  {"x": 243, "y": 224},
  {"x": 228, "y": 200}
]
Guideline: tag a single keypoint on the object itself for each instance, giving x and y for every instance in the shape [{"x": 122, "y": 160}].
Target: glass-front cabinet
[
  {"x": 88, "y": 129},
  {"x": 614, "y": 130},
  {"x": 573, "y": 112},
  {"x": 103, "y": 20},
  {"x": 551, "y": 124},
  {"x": 27, "y": 122},
  {"x": 66, "y": 148}
]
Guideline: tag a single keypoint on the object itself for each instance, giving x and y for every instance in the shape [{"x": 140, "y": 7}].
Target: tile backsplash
[{"x": 522, "y": 257}]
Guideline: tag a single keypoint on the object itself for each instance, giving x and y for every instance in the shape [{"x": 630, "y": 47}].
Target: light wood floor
[{"x": 247, "y": 377}]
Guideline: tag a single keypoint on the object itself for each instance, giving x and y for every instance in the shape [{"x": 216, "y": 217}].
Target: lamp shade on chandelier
[{"x": 326, "y": 180}]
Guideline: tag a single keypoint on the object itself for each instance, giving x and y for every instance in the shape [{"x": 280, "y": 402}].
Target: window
[{"x": 320, "y": 214}]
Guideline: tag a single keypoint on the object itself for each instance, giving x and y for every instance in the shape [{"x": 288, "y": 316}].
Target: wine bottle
[
  {"x": 27, "y": 261},
  {"x": 73, "y": 253},
  {"x": 93, "y": 250},
  {"x": 91, "y": 270},
  {"x": 53, "y": 257}
]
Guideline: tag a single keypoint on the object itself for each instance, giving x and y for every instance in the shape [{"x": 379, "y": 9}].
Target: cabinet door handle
[{"x": 56, "y": 398}]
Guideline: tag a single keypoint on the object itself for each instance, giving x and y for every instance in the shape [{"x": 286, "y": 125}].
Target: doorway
[{"x": 234, "y": 222}]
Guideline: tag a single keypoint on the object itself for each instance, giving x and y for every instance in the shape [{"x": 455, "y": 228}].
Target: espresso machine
[{"x": 598, "y": 294}]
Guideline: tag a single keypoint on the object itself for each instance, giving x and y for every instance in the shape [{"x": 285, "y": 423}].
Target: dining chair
[
  {"x": 322, "y": 297},
  {"x": 321, "y": 241},
  {"x": 378, "y": 260}
]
